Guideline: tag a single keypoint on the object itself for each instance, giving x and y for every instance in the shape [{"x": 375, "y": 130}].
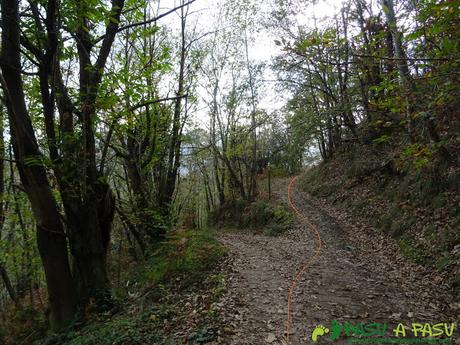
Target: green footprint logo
[{"x": 319, "y": 331}]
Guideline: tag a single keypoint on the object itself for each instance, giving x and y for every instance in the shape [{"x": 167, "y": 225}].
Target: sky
[{"x": 262, "y": 49}]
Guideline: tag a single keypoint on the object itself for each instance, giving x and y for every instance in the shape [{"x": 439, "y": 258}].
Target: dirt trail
[{"x": 340, "y": 285}]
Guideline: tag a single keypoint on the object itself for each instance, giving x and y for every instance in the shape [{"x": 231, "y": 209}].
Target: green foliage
[
  {"x": 119, "y": 331},
  {"x": 418, "y": 154},
  {"x": 186, "y": 259},
  {"x": 260, "y": 216},
  {"x": 383, "y": 139},
  {"x": 23, "y": 326},
  {"x": 281, "y": 221},
  {"x": 411, "y": 251},
  {"x": 190, "y": 255},
  {"x": 395, "y": 221},
  {"x": 257, "y": 215}
]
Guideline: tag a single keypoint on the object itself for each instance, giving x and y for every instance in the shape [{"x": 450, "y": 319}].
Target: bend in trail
[
  {"x": 340, "y": 285},
  {"x": 314, "y": 256}
]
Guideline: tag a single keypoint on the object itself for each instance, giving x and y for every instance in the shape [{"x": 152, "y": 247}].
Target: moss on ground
[{"x": 184, "y": 263}]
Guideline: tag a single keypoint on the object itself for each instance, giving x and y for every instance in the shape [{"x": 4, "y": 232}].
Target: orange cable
[{"x": 308, "y": 263}]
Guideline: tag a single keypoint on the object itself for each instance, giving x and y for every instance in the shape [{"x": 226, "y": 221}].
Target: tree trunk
[
  {"x": 90, "y": 228},
  {"x": 175, "y": 144},
  {"x": 399, "y": 54},
  {"x": 8, "y": 285},
  {"x": 252, "y": 190},
  {"x": 51, "y": 239}
]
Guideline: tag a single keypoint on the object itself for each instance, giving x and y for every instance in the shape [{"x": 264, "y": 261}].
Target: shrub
[
  {"x": 188, "y": 254},
  {"x": 263, "y": 216},
  {"x": 259, "y": 215}
]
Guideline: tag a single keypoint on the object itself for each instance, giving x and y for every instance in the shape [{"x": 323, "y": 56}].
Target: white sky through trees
[{"x": 262, "y": 48}]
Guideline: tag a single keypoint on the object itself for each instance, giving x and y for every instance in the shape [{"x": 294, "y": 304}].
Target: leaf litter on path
[{"x": 359, "y": 277}]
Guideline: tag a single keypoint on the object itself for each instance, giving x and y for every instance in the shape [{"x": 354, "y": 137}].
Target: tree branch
[
  {"x": 152, "y": 20},
  {"x": 144, "y": 104},
  {"x": 110, "y": 32},
  {"x": 403, "y": 59}
]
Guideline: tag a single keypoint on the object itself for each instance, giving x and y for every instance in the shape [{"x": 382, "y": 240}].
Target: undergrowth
[
  {"x": 187, "y": 256},
  {"x": 150, "y": 307},
  {"x": 259, "y": 216}
]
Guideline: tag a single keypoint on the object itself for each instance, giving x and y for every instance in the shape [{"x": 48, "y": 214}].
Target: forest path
[{"x": 350, "y": 281}]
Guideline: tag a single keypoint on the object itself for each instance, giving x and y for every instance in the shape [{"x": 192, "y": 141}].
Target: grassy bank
[
  {"x": 166, "y": 299},
  {"x": 418, "y": 205},
  {"x": 260, "y": 216}
]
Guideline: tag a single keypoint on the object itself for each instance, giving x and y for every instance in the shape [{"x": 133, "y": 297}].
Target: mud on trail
[{"x": 350, "y": 280}]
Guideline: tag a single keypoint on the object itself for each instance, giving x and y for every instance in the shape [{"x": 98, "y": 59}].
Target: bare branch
[
  {"x": 140, "y": 105},
  {"x": 403, "y": 58},
  {"x": 152, "y": 20}
]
